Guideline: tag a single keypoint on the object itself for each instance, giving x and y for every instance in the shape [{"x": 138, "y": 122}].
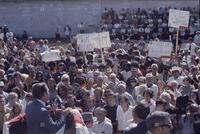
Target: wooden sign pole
[
  {"x": 177, "y": 37},
  {"x": 102, "y": 56},
  {"x": 84, "y": 57}
]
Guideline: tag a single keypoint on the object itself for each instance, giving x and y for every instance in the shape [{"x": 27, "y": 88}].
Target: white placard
[
  {"x": 105, "y": 40},
  {"x": 158, "y": 49},
  {"x": 94, "y": 40},
  {"x": 185, "y": 46},
  {"x": 51, "y": 55},
  {"x": 87, "y": 42},
  {"x": 178, "y": 18},
  {"x": 84, "y": 43}
]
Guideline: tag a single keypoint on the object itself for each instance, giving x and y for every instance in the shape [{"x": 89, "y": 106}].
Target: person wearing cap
[
  {"x": 176, "y": 75},
  {"x": 88, "y": 120},
  {"x": 159, "y": 123},
  {"x": 102, "y": 125}
]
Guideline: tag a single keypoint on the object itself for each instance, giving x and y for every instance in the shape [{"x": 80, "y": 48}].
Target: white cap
[{"x": 1, "y": 83}]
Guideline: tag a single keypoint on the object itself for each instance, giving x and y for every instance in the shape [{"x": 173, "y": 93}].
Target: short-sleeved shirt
[{"x": 124, "y": 118}]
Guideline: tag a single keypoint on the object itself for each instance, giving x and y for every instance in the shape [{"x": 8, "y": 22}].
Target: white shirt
[
  {"x": 153, "y": 88},
  {"x": 131, "y": 125},
  {"x": 124, "y": 118},
  {"x": 80, "y": 129},
  {"x": 177, "y": 93},
  {"x": 104, "y": 127},
  {"x": 10, "y": 35},
  {"x": 151, "y": 105},
  {"x": 179, "y": 80}
]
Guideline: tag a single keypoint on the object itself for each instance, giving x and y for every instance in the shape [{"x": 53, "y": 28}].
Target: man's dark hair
[
  {"x": 148, "y": 92},
  {"x": 141, "y": 111},
  {"x": 38, "y": 90},
  {"x": 135, "y": 64},
  {"x": 156, "y": 119},
  {"x": 161, "y": 101}
]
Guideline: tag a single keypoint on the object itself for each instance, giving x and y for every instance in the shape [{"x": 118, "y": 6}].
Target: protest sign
[
  {"x": 178, "y": 18},
  {"x": 84, "y": 43},
  {"x": 105, "y": 40},
  {"x": 185, "y": 46},
  {"x": 51, "y": 55},
  {"x": 87, "y": 42},
  {"x": 158, "y": 49}
]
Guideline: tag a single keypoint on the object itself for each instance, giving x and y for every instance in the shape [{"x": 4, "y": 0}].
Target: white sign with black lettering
[
  {"x": 158, "y": 49},
  {"x": 87, "y": 42},
  {"x": 178, "y": 18}
]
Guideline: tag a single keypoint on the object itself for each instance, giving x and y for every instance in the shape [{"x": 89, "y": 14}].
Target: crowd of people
[
  {"x": 122, "y": 91},
  {"x": 150, "y": 23}
]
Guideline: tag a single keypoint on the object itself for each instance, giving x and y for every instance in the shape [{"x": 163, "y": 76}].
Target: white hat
[
  {"x": 175, "y": 68},
  {"x": 1, "y": 83}
]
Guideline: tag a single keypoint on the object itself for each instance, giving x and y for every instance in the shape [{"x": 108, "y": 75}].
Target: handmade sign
[
  {"x": 51, "y": 55},
  {"x": 178, "y": 18},
  {"x": 158, "y": 49}
]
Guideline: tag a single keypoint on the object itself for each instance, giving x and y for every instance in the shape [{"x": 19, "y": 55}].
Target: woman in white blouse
[{"x": 124, "y": 114}]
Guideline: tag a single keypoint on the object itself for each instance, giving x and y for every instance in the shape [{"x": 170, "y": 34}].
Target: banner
[
  {"x": 178, "y": 18},
  {"x": 87, "y": 42},
  {"x": 51, "y": 55},
  {"x": 84, "y": 43},
  {"x": 158, "y": 49},
  {"x": 105, "y": 39}
]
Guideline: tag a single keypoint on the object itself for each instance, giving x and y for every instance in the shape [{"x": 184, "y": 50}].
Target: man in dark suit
[
  {"x": 38, "y": 118},
  {"x": 140, "y": 114}
]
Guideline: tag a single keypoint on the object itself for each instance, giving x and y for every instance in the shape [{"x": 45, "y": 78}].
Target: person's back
[
  {"x": 141, "y": 128},
  {"x": 33, "y": 111},
  {"x": 140, "y": 113},
  {"x": 38, "y": 118}
]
